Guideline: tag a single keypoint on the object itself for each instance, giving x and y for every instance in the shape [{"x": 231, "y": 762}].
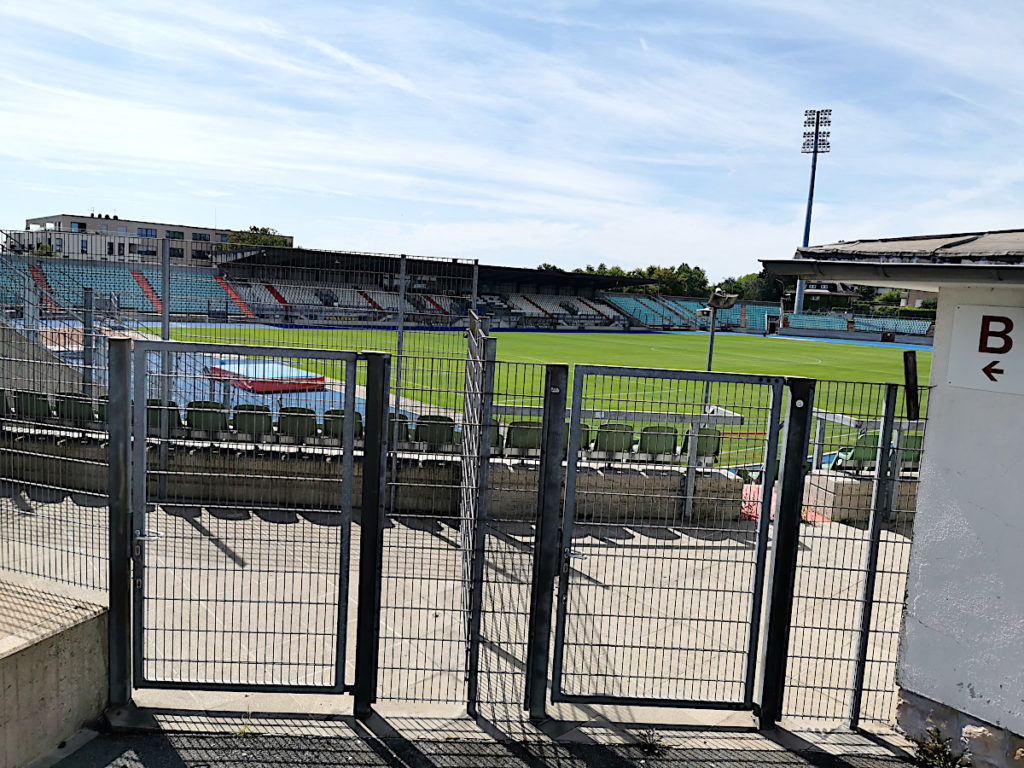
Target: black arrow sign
[{"x": 990, "y": 370}]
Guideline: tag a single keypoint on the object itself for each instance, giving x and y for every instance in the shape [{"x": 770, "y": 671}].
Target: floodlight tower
[
  {"x": 719, "y": 300},
  {"x": 815, "y": 141}
]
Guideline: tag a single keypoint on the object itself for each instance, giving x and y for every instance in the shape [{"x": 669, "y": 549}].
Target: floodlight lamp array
[{"x": 823, "y": 142}]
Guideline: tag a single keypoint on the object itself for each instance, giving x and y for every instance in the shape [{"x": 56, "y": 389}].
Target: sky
[{"x": 523, "y": 132}]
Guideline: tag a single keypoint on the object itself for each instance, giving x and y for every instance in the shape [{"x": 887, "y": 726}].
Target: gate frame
[
  {"x": 481, "y": 351},
  {"x": 127, "y": 475},
  {"x": 580, "y": 372}
]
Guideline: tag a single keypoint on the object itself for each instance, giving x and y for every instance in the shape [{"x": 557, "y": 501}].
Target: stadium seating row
[
  {"x": 210, "y": 420},
  {"x": 817, "y": 322},
  {"x": 892, "y": 324}
]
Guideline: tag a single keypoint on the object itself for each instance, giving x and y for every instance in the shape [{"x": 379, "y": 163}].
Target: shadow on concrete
[{"x": 239, "y": 739}]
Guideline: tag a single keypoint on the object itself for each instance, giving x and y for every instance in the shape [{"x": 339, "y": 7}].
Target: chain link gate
[
  {"x": 668, "y": 614},
  {"x": 240, "y": 514},
  {"x": 477, "y": 431}
]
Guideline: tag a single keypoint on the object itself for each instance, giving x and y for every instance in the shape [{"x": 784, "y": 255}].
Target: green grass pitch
[
  {"x": 739, "y": 353},
  {"x": 433, "y": 369}
]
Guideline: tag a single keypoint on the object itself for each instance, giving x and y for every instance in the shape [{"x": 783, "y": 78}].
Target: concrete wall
[
  {"x": 26, "y": 364},
  {"x": 873, "y": 336},
  {"x": 963, "y": 638},
  {"x": 53, "y": 670}
]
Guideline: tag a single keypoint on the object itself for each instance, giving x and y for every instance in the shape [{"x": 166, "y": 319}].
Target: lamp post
[
  {"x": 718, "y": 300},
  {"x": 815, "y": 141}
]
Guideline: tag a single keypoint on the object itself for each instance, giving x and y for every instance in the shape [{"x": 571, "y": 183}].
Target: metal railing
[{"x": 661, "y": 484}]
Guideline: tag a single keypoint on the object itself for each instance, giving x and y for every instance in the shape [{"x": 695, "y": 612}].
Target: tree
[
  {"x": 892, "y": 296},
  {"x": 259, "y": 236},
  {"x": 545, "y": 267},
  {"x": 865, "y": 292}
]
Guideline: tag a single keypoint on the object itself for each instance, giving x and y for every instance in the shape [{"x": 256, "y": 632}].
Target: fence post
[
  {"x": 165, "y": 363},
  {"x": 546, "y": 547},
  {"x": 879, "y": 512},
  {"x": 400, "y": 346},
  {"x": 88, "y": 342},
  {"x": 378, "y": 374},
  {"x": 488, "y": 354},
  {"x": 784, "y": 551},
  {"x": 476, "y": 283},
  {"x": 119, "y": 631}
]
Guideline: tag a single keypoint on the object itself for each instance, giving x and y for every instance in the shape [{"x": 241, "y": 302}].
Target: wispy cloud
[{"x": 571, "y": 133}]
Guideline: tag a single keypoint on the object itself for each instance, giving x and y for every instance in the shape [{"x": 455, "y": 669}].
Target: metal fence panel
[
  {"x": 858, "y": 520},
  {"x": 662, "y": 551},
  {"x": 242, "y": 526},
  {"x": 53, "y": 433}
]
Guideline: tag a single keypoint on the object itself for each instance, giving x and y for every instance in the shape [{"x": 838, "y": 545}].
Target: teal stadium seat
[
  {"x": 658, "y": 442},
  {"x": 438, "y": 432},
  {"x": 860, "y": 456},
  {"x": 296, "y": 425},
  {"x": 252, "y": 422},
  {"x": 612, "y": 439},
  {"x": 709, "y": 443},
  {"x": 75, "y": 410},
  {"x": 334, "y": 426},
  {"x": 206, "y": 419}
]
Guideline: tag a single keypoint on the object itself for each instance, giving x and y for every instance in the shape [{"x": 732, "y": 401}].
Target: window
[
  {"x": 103, "y": 228},
  {"x": 58, "y": 241},
  {"x": 177, "y": 253},
  {"x": 171, "y": 234},
  {"x": 77, "y": 226},
  {"x": 223, "y": 238},
  {"x": 146, "y": 232},
  {"x": 133, "y": 248},
  {"x": 110, "y": 248},
  {"x": 122, "y": 231},
  {"x": 201, "y": 255},
  {"x": 203, "y": 236},
  {"x": 120, "y": 249},
  {"x": 84, "y": 246},
  {"x": 145, "y": 251}
]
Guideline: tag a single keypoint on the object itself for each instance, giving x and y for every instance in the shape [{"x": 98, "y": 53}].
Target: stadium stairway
[
  {"x": 147, "y": 289},
  {"x": 276, "y": 294},
  {"x": 369, "y": 300},
  {"x": 655, "y": 309},
  {"x": 543, "y": 311},
  {"x": 672, "y": 312},
  {"x": 44, "y": 286},
  {"x": 591, "y": 306},
  {"x": 234, "y": 296},
  {"x": 433, "y": 303}
]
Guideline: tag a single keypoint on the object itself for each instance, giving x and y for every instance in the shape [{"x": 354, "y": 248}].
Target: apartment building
[{"x": 75, "y": 235}]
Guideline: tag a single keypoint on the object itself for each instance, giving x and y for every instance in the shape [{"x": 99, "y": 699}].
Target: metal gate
[
  {"x": 664, "y": 546},
  {"x": 477, "y": 431},
  {"x": 241, "y": 497}
]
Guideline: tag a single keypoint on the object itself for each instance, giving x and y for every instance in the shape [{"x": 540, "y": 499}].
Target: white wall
[{"x": 963, "y": 638}]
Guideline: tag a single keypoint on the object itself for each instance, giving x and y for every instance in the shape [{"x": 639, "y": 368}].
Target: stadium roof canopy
[
  {"x": 923, "y": 262},
  {"x": 388, "y": 263}
]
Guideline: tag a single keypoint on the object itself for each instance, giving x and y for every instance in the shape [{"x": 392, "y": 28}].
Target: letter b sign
[{"x": 995, "y": 335}]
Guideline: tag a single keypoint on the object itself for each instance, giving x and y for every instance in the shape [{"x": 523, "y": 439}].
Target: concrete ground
[
  {"x": 222, "y": 741},
  {"x": 653, "y": 610}
]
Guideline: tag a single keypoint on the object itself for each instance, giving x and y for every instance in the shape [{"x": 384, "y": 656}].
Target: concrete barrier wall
[
  {"x": 312, "y": 482},
  {"x": 26, "y": 364},
  {"x": 53, "y": 671}
]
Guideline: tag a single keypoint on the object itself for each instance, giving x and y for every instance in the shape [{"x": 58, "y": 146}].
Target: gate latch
[{"x": 148, "y": 535}]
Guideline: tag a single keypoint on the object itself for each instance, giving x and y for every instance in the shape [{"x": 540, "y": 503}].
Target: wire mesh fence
[
  {"x": 664, "y": 543},
  {"x": 860, "y": 492},
  {"x": 661, "y": 592},
  {"x": 244, "y": 477},
  {"x": 53, "y": 409}
]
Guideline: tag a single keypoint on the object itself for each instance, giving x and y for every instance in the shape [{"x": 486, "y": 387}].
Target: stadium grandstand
[{"x": 289, "y": 285}]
